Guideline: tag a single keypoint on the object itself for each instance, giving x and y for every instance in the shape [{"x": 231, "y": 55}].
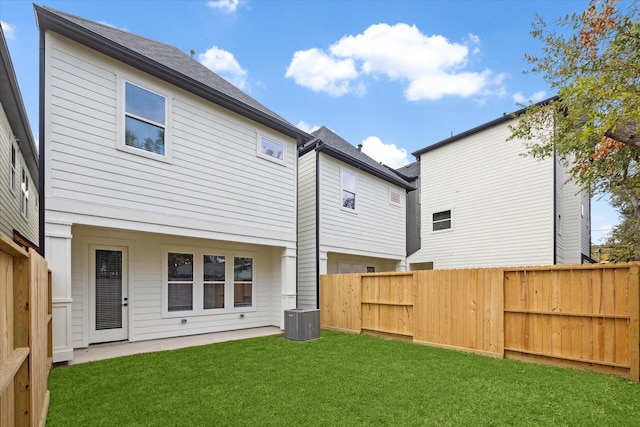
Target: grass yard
[{"x": 341, "y": 379}]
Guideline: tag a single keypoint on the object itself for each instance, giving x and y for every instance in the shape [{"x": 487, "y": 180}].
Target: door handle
[{"x": 125, "y": 302}]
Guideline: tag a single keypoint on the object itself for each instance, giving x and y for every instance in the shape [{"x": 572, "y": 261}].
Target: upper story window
[
  {"x": 270, "y": 149},
  {"x": 13, "y": 168},
  {"x": 145, "y": 116},
  {"x": 442, "y": 220},
  {"x": 348, "y": 190},
  {"x": 24, "y": 200}
]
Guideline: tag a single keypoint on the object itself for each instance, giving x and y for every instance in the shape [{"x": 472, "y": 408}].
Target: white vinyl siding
[
  {"x": 343, "y": 263},
  {"x": 307, "y": 258},
  {"x": 11, "y": 216},
  {"x": 214, "y": 187},
  {"x": 503, "y": 203},
  {"x": 378, "y": 229},
  {"x": 147, "y": 254},
  {"x": 571, "y": 230}
]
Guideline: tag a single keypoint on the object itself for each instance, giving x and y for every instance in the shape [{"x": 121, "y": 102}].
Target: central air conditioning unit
[{"x": 301, "y": 324}]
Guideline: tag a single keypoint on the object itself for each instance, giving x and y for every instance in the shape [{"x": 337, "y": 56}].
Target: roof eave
[
  {"x": 15, "y": 112},
  {"x": 339, "y": 155},
  {"x": 47, "y": 20},
  {"x": 480, "y": 128}
]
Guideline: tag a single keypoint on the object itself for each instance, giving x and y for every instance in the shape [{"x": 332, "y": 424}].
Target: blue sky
[{"x": 395, "y": 76}]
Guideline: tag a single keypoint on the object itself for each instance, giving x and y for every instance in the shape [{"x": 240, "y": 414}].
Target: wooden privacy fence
[
  {"x": 25, "y": 336},
  {"x": 578, "y": 316}
]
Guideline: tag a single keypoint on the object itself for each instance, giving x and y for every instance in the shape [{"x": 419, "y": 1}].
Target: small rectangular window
[
  {"x": 242, "y": 281},
  {"x": 24, "y": 200},
  {"x": 442, "y": 220},
  {"x": 348, "y": 190},
  {"x": 213, "y": 281},
  {"x": 145, "y": 119},
  {"x": 271, "y": 149},
  {"x": 180, "y": 282},
  {"x": 13, "y": 168}
]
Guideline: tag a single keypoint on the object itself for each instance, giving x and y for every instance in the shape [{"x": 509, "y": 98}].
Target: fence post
[{"x": 634, "y": 324}]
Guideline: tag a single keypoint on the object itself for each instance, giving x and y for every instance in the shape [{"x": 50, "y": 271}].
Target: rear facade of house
[
  {"x": 170, "y": 195},
  {"x": 484, "y": 204},
  {"x": 19, "y": 217},
  {"x": 352, "y": 214}
]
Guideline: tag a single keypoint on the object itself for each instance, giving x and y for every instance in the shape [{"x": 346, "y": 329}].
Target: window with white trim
[
  {"x": 242, "y": 281},
  {"x": 145, "y": 117},
  {"x": 442, "y": 220},
  {"x": 13, "y": 169},
  {"x": 270, "y": 149},
  {"x": 213, "y": 281},
  {"x": 199, "y": 281},
  {"x": 348, "y": 183},
  {"x": 179, "y": 282},
  {"x": 24, "y": 200}
]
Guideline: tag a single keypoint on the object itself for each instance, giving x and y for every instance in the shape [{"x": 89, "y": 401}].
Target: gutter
[{"x": 363, "y": 166}]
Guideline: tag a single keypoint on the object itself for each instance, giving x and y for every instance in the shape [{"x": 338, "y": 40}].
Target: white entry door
[{"x": 108, "y": 296}]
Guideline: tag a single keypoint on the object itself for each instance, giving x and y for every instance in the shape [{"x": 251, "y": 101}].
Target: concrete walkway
[{"x": 125, "y": 348}]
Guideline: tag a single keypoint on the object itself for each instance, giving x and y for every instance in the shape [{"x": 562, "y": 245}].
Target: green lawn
[{"x": 340, "y": 379}]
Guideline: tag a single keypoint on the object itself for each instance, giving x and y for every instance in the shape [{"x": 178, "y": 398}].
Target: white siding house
[
  {"x": 484, "y": 204},
  {"x": 170, "y": 203},
  {"x": 351, "y": 217},
  {"x": 19, "y": 217}
]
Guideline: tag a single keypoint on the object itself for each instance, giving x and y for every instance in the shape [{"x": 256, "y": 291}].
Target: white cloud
[
  {"x": 306, "y": 127},
  {"x": 432, "y": 65},
  {"x": 388, "y": 154},
  {"x": 520, "y": 98},
  {"x": 8, "y": 30},
  {"x": 320, "y": 72},
  {"x": 229, "y": 6},
  {"x": 225, "y": 64}
]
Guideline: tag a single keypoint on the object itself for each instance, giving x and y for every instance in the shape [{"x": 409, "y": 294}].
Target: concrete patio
[{"x": 125, "y": 348}]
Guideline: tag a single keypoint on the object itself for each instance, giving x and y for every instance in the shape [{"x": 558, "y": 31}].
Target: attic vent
[{"x": 394, "y": 197}]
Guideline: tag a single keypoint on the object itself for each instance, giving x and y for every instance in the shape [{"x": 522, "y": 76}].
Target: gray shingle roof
[
  {"x": 13, "y": 105},
  {"x": 356, "y": 157},
  {"x": 163, "y": 61},
  {"x": 409, "y": 172}
]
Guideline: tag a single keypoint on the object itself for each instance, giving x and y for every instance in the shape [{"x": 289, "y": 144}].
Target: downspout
[
  {"x": 41, "y": 149},
  {"x": 318, "y": 226},
  {"x": 555, "y": 200}
]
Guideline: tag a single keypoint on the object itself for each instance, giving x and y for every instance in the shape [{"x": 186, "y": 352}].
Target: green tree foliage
[
  {"x": 624, "y": 242},
  {"x": 592, "y": 61}
]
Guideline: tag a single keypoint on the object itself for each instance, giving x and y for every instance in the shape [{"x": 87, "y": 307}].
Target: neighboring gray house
[
  {"x": 411, "y": 174},
  {"x": 351, "y": 214},
  {"x": 484, "y": 204},
  {"x": 171, "y": 194},
  {"x": 19, "y": 216}
]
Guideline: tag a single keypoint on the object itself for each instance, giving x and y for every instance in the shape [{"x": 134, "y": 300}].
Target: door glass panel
[{"x": 108, "y": 289}]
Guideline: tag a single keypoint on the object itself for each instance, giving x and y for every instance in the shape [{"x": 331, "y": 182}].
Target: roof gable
[
  {"x": 335, "y": 146},
  {"x": 164, "y": 62}
]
